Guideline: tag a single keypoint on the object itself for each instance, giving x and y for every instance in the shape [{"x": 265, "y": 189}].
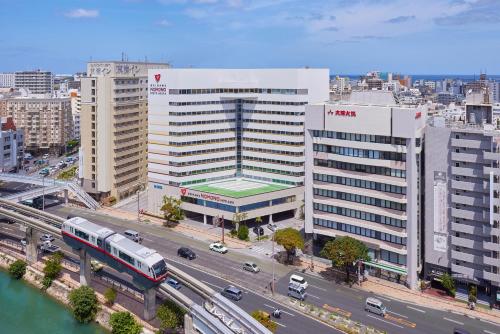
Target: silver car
[{"x": 250, "y": 266}]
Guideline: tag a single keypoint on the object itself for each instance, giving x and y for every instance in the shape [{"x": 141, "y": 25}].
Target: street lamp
[
  {"x": 43, "y": 192},
  {"x": 272, "y": 260},
  {"x": 141, "y": 187}
]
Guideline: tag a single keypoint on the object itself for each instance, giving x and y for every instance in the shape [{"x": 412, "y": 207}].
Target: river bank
[{"x": 60, "y": 290}]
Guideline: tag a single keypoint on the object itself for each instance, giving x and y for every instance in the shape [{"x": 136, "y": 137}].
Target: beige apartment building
[
  {"x": 113, "y": 127},
  {"x": 47, "y": 122}
]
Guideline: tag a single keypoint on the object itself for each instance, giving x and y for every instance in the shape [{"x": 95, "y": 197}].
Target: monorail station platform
[{"x": 226, "y": 197}]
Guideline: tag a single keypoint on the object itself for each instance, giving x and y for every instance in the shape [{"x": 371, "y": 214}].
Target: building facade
[
  {"x": 230, "y": 141},
  {"x": 113, "y": 127},
  {"x": 47, "y": 122},
  {"x": 76, "y": 108},
  {"x": 462, "y": 215},
  {"x": 363, "y": 159},
  {"x": 7, "y": 80},
  {"x": 36, "y": 82},
  {"x": 11, "y": 145}
]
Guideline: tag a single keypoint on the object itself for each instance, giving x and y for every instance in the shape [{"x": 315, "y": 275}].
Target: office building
[
  {"x": 113, "y": 128},
  {"x": 36, "y": 82},
  {"x": 7, "y": 80},
  {"x": 230, "y": 141},
  {"x": 363, "y": 159},
  {"x": 462, "y": 205},
  {"x": 46, "y": 122}
]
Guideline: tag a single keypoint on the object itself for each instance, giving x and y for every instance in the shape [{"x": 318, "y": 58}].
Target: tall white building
[
  {"x": 362, "y": 177},
  {"x": 7, "y": 80},
  {"x": 228, "y": 141},
  {"x": 36, "y": 82},
  {"x": 76, "y": 107}
]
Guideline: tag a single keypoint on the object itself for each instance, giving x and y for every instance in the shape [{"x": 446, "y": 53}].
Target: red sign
[
  {"x": 183, "y": 191},
  {"x": 418, "y": 115},
  {"x": 157, "y": 77},
  {"x": 345, "y": 113}
]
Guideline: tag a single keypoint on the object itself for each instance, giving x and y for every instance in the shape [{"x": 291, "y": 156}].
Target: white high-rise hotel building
[{"x": 228, "y": 141}]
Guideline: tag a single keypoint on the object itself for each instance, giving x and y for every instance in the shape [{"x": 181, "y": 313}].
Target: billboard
[{"x": 375, "y": 120}]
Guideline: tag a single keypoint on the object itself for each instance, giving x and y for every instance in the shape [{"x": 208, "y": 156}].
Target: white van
[
  {"x": 296, "y": 279},
  {"x": 296, "y": 291},
  {"x": 374, "y": 305}
]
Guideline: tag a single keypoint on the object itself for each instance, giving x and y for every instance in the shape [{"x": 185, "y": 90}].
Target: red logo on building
[
  {"x": 418, "y": 115},
  {"x": 345, "y": 113},
  {"x": 157, "y": 77},
  {"x": 183, "y": 191}
]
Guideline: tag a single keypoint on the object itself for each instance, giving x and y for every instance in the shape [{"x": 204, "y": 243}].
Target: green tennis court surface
[{"x": 238, "y": 188}]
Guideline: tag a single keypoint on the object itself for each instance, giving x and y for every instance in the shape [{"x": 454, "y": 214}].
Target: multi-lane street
[{"x": 219, "y": 270}]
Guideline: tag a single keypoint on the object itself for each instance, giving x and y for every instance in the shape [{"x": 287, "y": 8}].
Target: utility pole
[
  {"x": 43, "y": 193},
  {"x": 272, "y": 283},
  {"x": 138, "y": 208},
  {"x": 222, "y": 223}
]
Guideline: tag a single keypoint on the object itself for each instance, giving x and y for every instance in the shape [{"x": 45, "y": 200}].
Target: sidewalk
[
  {"x": 198, "y": 231},
  {"x": 401, "y": 293}
]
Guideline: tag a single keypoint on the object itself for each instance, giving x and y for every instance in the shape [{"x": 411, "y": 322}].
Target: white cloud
[
  {"x": 82, "y": 13},
  {"x": 164, "y": 23},
  {"x": 196, "y": 13}
]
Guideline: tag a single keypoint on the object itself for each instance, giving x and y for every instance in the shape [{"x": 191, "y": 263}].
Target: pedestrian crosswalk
[{"x": 263, "y": 250}]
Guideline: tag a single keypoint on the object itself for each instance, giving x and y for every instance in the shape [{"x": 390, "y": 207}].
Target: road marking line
[
  {"x": 455, "y": 321},
  {"x": 490, "y": 322},
  {"x": 274, "y": 308},
  {"x": 147, "y": 239},
  {"x": 401, "y": 315},
  {"x": 337, "y": 310},
  {"x": 218, "y": 287},
  {"x": 317, "y": 287},
  {"x": 415, "y": 309},
  {"x": 380, "y": 319},
  {"x": 488, "y": 332},
  {"x": 384, "y": 298},
  {"x": 277, "y": 323},
  {"x": 401, "y": 321},
  {"x": 309, "y": 295}
]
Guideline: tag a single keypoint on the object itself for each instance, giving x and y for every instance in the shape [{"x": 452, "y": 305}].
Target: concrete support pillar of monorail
[
  {"x": 31, "y": 243},
  {"x": 66, "y": 198},
  {"x": 188, "y": 324},
  {"x": 85, "y": 268},
  {"x": 204, "y": 219},
  {"x": 149, "y": 304}
]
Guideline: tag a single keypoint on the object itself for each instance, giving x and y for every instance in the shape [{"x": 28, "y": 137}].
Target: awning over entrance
[{"x": 387, "y": 267}]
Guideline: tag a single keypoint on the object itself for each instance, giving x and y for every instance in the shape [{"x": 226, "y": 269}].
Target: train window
[
  {"x": 138, "y": 264},
  {"x": 92, "y": 239},
  {"x": 71, "y": 230},
  {"x": 82, "y": 235},
  {"x": 126, "y": 257},
  {"x": 99, "y": 242}
]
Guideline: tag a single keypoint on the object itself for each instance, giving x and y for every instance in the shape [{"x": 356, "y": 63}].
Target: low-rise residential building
[
  {"x": 363, "y": 161},
  {"x": 11, "y": 145},
  {"x": 462, "y": 200}
]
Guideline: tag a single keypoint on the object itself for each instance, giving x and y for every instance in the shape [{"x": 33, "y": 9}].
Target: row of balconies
[{"x": 473, "y": 273}]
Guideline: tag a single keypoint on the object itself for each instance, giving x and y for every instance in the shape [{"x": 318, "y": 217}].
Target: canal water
[{"x": 26, "y": 310}]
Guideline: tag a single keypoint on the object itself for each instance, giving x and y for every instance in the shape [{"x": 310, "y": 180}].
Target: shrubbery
[
  {"x": 84, "y": 304},
  {"x": 124, "y": 323},
  {"x": 170, "y": 314},
  {"x": 243, "y": 232},
  {"x": 110, "y": 295},
  {"x": 52, "y": 269},
  {"x": 17, "y": 269}
]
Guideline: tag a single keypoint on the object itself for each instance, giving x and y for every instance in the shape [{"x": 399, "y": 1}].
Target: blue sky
[{"x": 347, "y": 36}]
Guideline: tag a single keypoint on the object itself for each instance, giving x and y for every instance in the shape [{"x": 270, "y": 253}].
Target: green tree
[
  {"x": 84, "y": 304},
  {"x": 473, "y": 293},
  {"x": 290, "y": 239},
  {"x": 448, "y": 283},
  {"x": 52, "y": 269},
  {"x": 243, "y": 232},
  {"x": 17, "y": 269},
  {"x": 110, "y": 295},
  {"x": 344, "y": 252},
  {"x": 258, "y": 221},
  {"x": 124, "y": 323},
  {"x": 170, "y": 314},
  {"x": 265, "y": 319},
  {"x": 238, "y": 217},
  {"x": 172, "y": 209}
]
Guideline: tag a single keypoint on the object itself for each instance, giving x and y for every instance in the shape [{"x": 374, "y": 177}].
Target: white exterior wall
[
  {"x": 275, "y": 154},
  {"x": 7, "y": 80},
  {"x": 381, "y": 120}
]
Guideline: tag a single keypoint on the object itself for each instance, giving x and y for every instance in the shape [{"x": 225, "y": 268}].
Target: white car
[{"x": 218, "y": 247}]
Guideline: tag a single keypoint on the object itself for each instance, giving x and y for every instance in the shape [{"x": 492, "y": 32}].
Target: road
[{"x": 219, "y": 270}]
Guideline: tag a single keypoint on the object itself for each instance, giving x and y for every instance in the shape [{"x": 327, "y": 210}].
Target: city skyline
[{"x": 434, "y": 37}]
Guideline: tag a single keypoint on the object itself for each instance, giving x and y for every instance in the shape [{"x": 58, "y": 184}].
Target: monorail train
[{"x": 136, "y": 257}]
